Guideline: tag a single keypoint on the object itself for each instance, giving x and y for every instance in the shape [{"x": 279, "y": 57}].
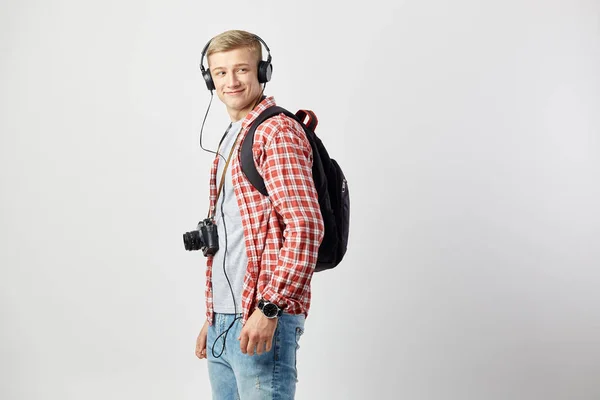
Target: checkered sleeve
[
  {"x": 209, "y": 260},
  {"x": 287, "y": 172}
]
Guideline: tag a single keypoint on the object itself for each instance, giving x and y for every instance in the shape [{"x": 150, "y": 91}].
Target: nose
[{"x": 232, "y": 80}]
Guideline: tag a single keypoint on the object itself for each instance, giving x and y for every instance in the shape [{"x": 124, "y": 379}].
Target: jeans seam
[
  {"x": 299, "y": 333},
  {"x": 276, "y": 348}
]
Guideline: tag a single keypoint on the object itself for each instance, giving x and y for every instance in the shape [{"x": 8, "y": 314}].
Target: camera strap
[{"x": 233, "y": 147}]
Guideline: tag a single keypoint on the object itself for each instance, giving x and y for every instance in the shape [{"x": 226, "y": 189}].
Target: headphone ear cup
[
  {"x": 265, "y": 69},
  {"x": 208, "y": 79}
]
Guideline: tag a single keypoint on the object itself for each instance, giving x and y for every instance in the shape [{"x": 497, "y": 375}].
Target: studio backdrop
[{"x": 469, "y": 133}]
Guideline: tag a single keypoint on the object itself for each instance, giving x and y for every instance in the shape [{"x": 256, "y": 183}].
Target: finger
[
  {"x": 262, "y": 347},
  {"x": 201, "y": 348},
  {"x": 269, "y": 344},
  {"x": 251, "y": 347},
  {"x": 243, "y": 342},
  {"x": 201, "y": 353}
]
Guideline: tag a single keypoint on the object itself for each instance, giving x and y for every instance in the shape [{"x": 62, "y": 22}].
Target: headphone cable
[
  {"x": 202, "y": 128},
  {"x": 224, "y": 333}
]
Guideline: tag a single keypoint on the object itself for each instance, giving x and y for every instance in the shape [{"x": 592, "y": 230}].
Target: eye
[
  {"x": 220, "y": 73},
  {"x": 243, "y": 69}
]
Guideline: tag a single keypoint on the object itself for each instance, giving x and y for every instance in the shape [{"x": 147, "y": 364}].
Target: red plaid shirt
[{"x": 282, "y": 231}]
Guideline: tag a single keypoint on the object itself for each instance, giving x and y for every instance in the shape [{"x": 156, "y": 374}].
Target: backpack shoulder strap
[{"x": 247, "y": 158}]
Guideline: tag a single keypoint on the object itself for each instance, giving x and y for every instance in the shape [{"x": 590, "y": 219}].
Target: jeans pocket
[{"x": 299, "y": 332}]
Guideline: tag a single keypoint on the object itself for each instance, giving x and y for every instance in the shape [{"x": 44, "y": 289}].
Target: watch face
[{"x": 270, "y": 310}]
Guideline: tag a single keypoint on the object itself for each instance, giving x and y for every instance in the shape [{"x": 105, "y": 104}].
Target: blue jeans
[{"x": 238, "y": 376}]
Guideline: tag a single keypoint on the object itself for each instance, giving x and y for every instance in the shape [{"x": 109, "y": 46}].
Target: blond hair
[{"x": 234, "y": 39}]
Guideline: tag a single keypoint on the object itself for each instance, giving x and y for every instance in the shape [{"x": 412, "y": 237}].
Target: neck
[{"x": 236, "y": 115}]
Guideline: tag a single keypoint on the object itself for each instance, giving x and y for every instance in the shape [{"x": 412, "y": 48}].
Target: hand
[
  {"x": 201, "y": 342},
  {"x": 257, "y": 333}
]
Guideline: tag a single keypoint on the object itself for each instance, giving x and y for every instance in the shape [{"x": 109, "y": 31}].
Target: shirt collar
[{"x": 262, "y": 106}]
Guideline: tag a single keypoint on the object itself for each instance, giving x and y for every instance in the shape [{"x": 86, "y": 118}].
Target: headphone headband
[{"x": 210, "y": 41}]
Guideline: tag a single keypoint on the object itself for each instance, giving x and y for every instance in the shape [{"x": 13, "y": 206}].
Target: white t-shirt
[{"x": 234, "y": 252}]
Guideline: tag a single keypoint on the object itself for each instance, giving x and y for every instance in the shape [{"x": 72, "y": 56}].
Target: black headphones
[{"x": 265, "y": 68}]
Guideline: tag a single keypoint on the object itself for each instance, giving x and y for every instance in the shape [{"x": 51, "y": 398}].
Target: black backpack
[{"x": 329, "y": 180}]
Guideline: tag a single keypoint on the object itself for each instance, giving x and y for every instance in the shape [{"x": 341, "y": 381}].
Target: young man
[{"x": 258, "y": 282}]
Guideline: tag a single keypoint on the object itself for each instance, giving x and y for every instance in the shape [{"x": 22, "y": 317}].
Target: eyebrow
[{"x": 235, "y": 66}]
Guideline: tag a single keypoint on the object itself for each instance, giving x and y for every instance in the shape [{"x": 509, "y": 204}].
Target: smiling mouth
[{"x": 235, "y": 92}]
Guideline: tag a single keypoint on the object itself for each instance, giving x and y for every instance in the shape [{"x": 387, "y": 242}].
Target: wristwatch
[{"x": 270, "y": 310}]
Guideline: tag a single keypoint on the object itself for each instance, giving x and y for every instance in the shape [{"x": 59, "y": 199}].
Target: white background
[{"x": 469, "y": 132}]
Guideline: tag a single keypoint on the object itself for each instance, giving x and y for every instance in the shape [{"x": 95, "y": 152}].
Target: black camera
[{"x": 204, "y": 238}]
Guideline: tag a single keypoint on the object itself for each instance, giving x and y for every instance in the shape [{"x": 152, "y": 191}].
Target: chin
[{"x": 239, "y": 103}]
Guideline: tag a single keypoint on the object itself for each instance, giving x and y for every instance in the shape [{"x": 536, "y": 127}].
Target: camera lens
[{"x": 192, "y": 240}]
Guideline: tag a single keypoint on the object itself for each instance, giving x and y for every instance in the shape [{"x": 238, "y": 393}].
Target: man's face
[{"x": 235, "y": 75}]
